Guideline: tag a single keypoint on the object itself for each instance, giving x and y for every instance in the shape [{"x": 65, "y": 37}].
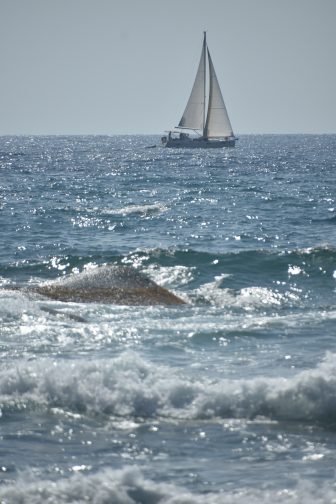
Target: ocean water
[{"x": 230, "y": 398}]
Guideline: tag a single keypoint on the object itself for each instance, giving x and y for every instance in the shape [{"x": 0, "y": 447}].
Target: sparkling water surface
[{"x": 230, "y": 398}]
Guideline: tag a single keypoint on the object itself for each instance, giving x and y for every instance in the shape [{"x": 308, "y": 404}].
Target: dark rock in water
[{"x": 109, "y": 284}]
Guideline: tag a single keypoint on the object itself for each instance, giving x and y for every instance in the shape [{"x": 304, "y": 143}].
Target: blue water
[{"x": 230, "y": 398}]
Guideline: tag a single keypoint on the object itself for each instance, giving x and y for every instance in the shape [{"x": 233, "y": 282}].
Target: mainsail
[{"x": 194, "y": 115}]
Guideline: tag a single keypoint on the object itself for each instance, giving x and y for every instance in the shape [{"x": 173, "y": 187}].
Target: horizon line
[{"x": 156, "y": 134}]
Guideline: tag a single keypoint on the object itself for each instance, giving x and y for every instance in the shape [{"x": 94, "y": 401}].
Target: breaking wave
[
  {"x": 130, "y": 486},
  {"x": 128, "y": 386}
]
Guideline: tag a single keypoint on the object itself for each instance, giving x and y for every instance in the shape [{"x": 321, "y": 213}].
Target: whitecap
[
  {"x": 129, "y": 486},
  {"x": 128, "y": 387},
  {"x": 248, "y": 298},
  {"x": 143, "y": 210}
]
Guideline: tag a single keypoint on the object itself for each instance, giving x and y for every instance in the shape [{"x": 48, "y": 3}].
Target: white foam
[
  {"x": 248, "y": 298},
  {"x": 130, "y": 486},
  {"x": 4, "y": 282},
  {"x": 14, "y": 304},
  {"x": 171, "y": 276},
  {"x": 143, "y": 210},
  {"x": 129, "y": 387},
  {"x": 294, "y": 270}
]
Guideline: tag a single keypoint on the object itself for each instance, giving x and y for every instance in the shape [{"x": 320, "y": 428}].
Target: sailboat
[{"x": 198, "y": 128}]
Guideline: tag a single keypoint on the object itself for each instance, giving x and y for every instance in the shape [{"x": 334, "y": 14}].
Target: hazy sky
[{"x": 127, "y": 66}]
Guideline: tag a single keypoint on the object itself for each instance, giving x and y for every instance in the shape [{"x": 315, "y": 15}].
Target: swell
[
  {"x": 268, "y": 261},
  {"x": 302, "y": 278}
]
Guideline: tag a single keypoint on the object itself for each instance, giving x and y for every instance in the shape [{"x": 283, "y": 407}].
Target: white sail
[
  {"x": 217, "y": 122},
  {"x": 214, "y": 131},
  {"x": 193, "y": 116}
]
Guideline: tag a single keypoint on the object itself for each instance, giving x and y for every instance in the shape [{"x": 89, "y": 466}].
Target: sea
[{"x": 229, "y": 398}]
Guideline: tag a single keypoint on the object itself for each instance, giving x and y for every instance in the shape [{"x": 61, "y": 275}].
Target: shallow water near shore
[{"x": 228, "y": 398}]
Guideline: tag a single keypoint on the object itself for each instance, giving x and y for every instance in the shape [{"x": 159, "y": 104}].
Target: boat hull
[{"x": 197, "y": 143}]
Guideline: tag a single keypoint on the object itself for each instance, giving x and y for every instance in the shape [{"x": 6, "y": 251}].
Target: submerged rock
[{"x": 109, "y": 284}]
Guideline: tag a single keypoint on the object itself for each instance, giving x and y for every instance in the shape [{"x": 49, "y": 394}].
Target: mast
[{"x": 204, "y": 82}]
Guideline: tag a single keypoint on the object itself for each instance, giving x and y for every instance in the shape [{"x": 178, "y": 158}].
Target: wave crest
[
  {"x": 130, "y": 486},
  {"x": 128, "y": 386}
]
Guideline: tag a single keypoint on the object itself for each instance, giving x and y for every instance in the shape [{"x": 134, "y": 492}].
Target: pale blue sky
[{"x": 127, "y": 66}]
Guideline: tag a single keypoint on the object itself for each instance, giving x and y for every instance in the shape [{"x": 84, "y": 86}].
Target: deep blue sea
[{"x": 230, "y": 398}]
